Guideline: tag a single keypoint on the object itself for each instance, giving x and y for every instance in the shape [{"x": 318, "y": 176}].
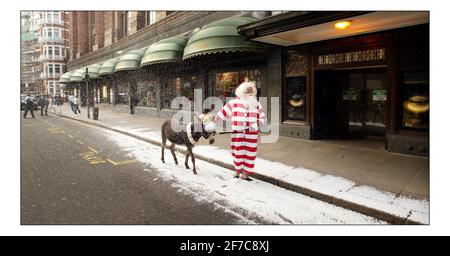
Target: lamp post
[{"x": 86, "y": 76}]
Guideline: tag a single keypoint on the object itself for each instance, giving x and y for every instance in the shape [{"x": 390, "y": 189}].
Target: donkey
[{"x": 188, "y": 137}]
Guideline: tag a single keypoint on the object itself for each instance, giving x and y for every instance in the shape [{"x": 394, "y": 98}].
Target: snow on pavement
[
  {"x": 402, "y": 206},
  {"x": 254, "y": 201}
]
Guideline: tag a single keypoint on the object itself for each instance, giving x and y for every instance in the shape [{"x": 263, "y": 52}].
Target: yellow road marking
[
  {"x": 55, "y": 130},
  {"x": 92, "y": 158},
  {"x": 93, "y": 150},
  {"x": 80, "y": 142},
  {"x": 58, "y": 132},
  {"x": 121, "y": 162},
  {"x": 70, "y": 136}
]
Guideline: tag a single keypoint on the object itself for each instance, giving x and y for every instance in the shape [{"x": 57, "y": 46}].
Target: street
[
  {"x": 74, "y": 173},
  {"x": 63, "y": 183}
]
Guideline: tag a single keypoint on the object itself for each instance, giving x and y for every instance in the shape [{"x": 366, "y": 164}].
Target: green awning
[
  {"x": 130, "y": 60},
  {"x": 65, "y": 77},
  {"x": 93, "y": 70},
  {"x": 78, "y": 75},
  {"x": 219, "y": 37},
  {"x": 108, "y": 67},
  {"x": 166, "y": 50}
]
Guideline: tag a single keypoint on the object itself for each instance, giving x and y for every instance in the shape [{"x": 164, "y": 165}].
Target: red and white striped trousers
[{"x": 243, "y": 149}]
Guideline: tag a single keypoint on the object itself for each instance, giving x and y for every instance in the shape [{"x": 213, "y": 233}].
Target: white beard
[{"x": 249, "y": 101}]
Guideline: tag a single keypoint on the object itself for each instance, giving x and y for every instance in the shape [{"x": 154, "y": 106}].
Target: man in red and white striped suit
[{"x": 246, "y": 114}]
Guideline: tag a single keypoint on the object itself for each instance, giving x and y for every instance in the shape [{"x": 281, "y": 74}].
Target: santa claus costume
[{"x": 246, "y": 114}]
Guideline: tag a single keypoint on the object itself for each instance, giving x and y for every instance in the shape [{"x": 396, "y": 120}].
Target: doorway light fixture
[{"x": 344, "y": 24}]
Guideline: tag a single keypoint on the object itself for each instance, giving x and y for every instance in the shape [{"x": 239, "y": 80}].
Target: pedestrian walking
[
  {"x": 59, "y": 102},
  {"x": 246, "y": 114},
  {"x": 43, "y": 104},
  {"x": 52, "y": 105},
  {"x": 29, "y": 106},
  {"x": 71, "y": 102},
  {"x": 76, "y": 102}
]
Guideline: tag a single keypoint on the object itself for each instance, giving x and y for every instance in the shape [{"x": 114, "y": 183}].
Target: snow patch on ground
[
  {"x": 404, "y": 207},
  {"x": 254, "y": 201}
]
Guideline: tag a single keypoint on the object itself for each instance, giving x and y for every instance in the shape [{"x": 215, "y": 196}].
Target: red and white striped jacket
[{"x": 242, "y": 115}]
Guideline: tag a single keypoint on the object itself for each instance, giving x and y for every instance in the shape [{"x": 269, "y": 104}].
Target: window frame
[
  {"x": 57, "y": 66},
  {"x": 57, "y": 48},
  {"x": 401, "y": 98},
  {"x": 285, "y": 102}
]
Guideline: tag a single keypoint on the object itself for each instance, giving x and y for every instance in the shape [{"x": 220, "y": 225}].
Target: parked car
[{"x": 23, "y": 104}]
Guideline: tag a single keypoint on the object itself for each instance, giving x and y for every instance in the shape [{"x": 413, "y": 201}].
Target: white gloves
[{"x": 210, "y": 127}]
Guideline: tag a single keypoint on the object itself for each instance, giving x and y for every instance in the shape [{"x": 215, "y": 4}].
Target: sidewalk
[{"x": 358, "y": 175}]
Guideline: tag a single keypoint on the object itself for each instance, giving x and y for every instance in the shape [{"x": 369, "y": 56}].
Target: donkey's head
[{"x": 204, "y": 119}]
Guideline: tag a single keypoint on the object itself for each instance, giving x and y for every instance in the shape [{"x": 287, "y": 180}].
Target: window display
[
  {"x": 122, "y": 95},
  {"x": 416, "y": 106},
  {"x": 168, "y": 92},
  {"x": 226, "y": 83},
  {"x": 187, "y": 86},
  {"x": 295, "y": 105},
  {"x": 146, "y": 93}
]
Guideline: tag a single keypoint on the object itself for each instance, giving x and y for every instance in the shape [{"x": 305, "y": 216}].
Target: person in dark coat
[
  {"x": 43, "y": 104},
  {"x": 29, "y": 106}
]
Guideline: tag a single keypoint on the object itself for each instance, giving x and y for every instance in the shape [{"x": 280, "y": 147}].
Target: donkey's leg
[
  {"x": 163, "y": 145},
  {"x": 193, "y": 160},
  {"x": 172, "y": 149},
  {"x": 186, "y": 161}
]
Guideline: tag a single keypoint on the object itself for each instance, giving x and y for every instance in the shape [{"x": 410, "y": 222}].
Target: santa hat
[{"x": 241, "y": 90}]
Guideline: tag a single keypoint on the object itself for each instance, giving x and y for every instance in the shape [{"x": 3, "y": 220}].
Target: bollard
[{"x": 95, "y": 113}]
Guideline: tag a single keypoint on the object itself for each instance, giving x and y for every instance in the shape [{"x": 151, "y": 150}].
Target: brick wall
[
  {"x": 82, "y": 33},
  {"x": 108, "y": 23},
  {"x": 99, "y": 39},
  {"x": 171, "y": 25}
]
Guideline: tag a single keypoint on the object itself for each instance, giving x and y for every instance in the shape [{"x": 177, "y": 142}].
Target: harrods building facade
[{"x": 339, "y": 75}]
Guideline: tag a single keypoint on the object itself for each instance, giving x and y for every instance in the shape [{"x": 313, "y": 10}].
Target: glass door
[
  {"x": 376, "y": 104},
  {"x": 353, "y": 102},
  {"x": 363, "y": 103}
]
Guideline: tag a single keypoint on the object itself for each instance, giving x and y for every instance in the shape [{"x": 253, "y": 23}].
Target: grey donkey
[{"x": 187, "y": 137}]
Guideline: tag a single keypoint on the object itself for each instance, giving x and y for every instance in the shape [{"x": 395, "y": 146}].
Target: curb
[{"x": 376, "y": 213}]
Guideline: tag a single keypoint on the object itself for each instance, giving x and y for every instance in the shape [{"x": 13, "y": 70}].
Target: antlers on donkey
[{"x": 188, "y": 137}]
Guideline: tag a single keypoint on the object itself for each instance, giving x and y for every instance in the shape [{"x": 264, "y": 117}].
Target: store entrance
[{"x": 350, "y": 103}]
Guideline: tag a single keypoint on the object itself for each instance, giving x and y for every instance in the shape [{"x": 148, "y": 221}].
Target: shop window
[
  {"x": 187, "y": 86},
  {"x": 295, "y": 104},
  {"x": 175, "y": 87},
  {"x": 104, "y": 98},
  {"x": 122, "y": 95},
  {"x": 226, "y": 83},
  {"x": 415, "y": 100},
  {"x": 168, "y": 92},
  {"x": 151, "y": 94},
  {"x": 146, "y": 93}
]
